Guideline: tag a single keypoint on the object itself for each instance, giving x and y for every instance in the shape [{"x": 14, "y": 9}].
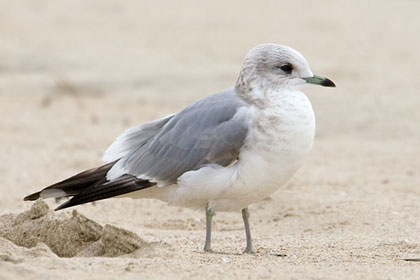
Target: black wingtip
[
  {"x": 65, "y": 205},
  {"x": 327, "y": 83},
  {"x": 32, "y": 197}
]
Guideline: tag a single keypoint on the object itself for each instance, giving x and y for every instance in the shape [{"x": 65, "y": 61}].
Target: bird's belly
[
  {"x": 258, "y": 176},
  {"x": 270, "y": 160}
]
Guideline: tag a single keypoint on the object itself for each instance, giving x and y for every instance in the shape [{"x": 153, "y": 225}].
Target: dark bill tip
[
  {"x": 327, "y": 83},
  {"x": 319, "y": 80}
]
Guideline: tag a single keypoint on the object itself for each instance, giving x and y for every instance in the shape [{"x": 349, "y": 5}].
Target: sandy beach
[{"x": 76, "y": 74}]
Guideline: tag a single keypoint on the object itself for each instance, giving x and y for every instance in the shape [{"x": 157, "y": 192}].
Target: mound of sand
[{"x": 67, "y": 234}]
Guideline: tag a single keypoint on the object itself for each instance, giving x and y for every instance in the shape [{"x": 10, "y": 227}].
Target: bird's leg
[
  {"x": 209, "y": 216},
  {"x": 245, "y": 216}
]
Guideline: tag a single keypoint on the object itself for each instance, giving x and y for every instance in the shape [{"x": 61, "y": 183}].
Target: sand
[
  {"x": 67, "y": 235},
  {"x": 75, "y": 74}
]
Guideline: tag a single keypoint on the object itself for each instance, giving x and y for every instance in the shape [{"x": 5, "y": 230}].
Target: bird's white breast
[{"x": 280, "y": 138}]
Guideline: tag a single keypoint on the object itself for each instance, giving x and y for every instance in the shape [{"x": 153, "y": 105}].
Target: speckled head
[{"x": 271, "y": 66}]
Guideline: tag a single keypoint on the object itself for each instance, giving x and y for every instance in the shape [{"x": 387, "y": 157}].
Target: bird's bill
[{"x": 318, "y": 80}]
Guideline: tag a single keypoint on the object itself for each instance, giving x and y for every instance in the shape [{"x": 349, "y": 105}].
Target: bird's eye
[{"x": 288, "y": 68}]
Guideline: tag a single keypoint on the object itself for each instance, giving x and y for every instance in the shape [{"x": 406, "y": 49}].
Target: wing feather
[{"x": 210, "y": 131}]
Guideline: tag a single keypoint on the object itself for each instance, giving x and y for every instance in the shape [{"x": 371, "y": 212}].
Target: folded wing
[{"x": 210, "y": 131}]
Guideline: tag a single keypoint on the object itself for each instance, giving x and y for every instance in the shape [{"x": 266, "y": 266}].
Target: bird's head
[{"x": 271, "y": 66}]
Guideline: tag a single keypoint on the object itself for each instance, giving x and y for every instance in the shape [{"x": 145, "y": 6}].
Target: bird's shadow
[
  {"x": 257, "y": 253},
  {"x": 411, "y": 259}
]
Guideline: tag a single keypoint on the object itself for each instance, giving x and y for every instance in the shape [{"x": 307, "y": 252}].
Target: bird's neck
[
  {"x": 246, "y": 83},
  {"x": 259, "y": 94}
]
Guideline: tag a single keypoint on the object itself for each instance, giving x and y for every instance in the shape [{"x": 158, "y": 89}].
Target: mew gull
[{"x": 221, "y": 153}]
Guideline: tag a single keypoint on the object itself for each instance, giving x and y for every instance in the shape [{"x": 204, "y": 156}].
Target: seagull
[{"x": 221, "y": 153}]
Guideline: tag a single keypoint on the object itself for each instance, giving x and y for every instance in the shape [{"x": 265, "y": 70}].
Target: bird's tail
[{"x": 91, "y": 185}]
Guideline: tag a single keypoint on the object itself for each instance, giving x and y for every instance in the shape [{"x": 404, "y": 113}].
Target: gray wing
[
  {"x": 133, "y": 139},
  {"x": 212, "y": 130}
]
